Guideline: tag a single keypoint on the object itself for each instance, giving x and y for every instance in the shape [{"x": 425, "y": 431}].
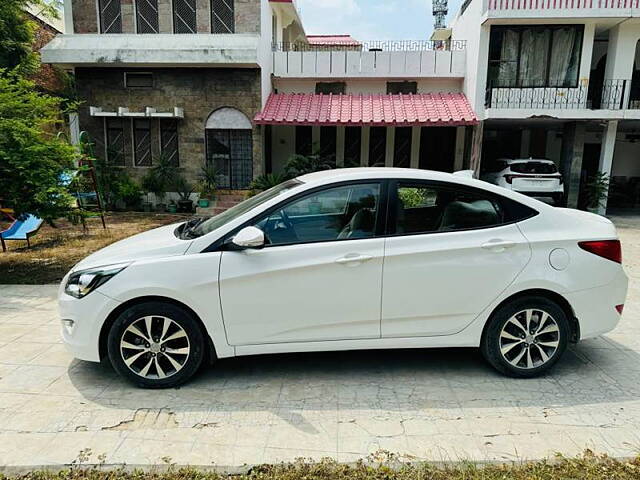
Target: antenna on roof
[{"x": 440, "y": 10}]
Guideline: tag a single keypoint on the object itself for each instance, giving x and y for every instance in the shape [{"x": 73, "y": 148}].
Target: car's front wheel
[
  {"x": 156, "y": 345},
  {"x": 526, "y": 337}
]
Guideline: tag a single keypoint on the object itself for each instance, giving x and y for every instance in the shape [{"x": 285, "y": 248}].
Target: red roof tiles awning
[{"x": 427, "y": 109}]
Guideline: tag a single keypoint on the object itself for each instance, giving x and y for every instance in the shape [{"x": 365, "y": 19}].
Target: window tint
[
  {"x": 426, "y": 209},
  {"x": 534, "y": 167},
  {"x": 340, "y": 213}
]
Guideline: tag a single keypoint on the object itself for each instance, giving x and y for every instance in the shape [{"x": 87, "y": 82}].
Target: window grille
[
  {"x": 147, "y": 16},
  {"x": 114, "y": 141},
  {"x": 184, "y": 16},
  {"x": 169, "y": 140},
  {"x": 110, "y": 16},
  {"x": 230, "y": 152},
  {"x": 142, "y": 142},
  {"x": 223, "y": 16}
]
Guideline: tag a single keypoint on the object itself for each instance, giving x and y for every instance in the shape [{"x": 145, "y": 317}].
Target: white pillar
[
  {"x": 459, "y": 158},
  {"x": 606, "y": 156},
  {"x": 364, "y": 146},
  {"x": 391, "y": 144},
  {"x": 340, "y": 137},
  {"x": 68, "y": 17},
  {"x": 587, "y": 53},
  {"x": 315, "y": 139},
  {"x": 415, "y": 147}
]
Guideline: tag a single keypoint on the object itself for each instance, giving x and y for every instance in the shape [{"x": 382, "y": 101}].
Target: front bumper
[
  {"x": 88, "y": 315},
  {"x": 595, "y": 307}
]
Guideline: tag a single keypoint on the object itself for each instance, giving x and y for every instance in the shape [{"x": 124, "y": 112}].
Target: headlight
[{"x": 82, "y": 283}]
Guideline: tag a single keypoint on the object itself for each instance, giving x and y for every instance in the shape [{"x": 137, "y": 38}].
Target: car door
[
  {"x": 453, "y": 252},
  {"x": 320, "y": 276}
]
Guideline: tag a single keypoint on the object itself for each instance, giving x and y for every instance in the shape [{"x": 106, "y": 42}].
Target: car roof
[{"x": 325, "y": 177}]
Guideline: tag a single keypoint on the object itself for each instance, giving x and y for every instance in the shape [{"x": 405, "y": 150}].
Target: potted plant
[
  {"x": 172, "y": 207},
  {"x": 160, "y": 178},
  {"x": 597, "y": 189},
  {"x": 184, "y": 190},
  {"x": 207, "y": 185}
]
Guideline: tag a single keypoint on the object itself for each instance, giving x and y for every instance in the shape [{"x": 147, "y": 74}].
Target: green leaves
[{"x": 32, "y": 160}]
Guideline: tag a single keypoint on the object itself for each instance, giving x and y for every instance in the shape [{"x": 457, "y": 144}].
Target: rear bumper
[
  {"x": 595, "y": 308},
  {"x": 546, "y": 194}
]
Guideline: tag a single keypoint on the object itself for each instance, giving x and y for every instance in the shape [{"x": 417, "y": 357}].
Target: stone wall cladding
[
  {"x": 85, "y": 16},
  {"x": 199, "y": 91}
]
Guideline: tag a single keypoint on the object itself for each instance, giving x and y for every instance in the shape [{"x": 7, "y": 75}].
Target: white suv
[{"x": 533, "y": 177}]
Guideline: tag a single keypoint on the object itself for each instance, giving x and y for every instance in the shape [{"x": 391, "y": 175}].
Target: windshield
[
  {"x": 534, "y": 167},
  {"x": 210, "y": 224}
]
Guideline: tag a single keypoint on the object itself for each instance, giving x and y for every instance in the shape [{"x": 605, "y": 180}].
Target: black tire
[
  {"x": 194, "y": 339},
  {"x": 490, "y": 344}
]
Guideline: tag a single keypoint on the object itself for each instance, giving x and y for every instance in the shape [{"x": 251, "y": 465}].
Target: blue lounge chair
[{"x": 21, "y": 230}]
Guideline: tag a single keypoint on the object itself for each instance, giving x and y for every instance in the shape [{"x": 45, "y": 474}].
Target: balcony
[
  {"x": 611, "y": 96},
  {"x": 561, "y": 8},
  {"x": 239, "y": 50},
  {"x": 386, "y": 59}
]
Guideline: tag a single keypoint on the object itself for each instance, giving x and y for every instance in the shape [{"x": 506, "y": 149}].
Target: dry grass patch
[
  {"x": 55, "y": 250},
  {"x": 586, "y": 467}
]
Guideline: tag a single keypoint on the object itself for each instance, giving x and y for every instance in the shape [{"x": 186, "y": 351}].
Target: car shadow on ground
[{"x": 447, "y": 382}]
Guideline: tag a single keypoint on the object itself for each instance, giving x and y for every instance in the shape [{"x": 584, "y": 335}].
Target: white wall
[
  {"x": 626, "y": 158},
  {"x": 367, "y": 86},
  {"x": 265, "y": 54}
]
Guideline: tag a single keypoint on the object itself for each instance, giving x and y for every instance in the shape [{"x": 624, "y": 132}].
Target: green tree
[
  {"x": 33, "y": 163},
  {"x": 16, "y": 33}
]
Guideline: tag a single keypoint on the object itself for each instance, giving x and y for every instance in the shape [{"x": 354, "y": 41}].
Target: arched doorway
[{"x": 228, "y": 134}]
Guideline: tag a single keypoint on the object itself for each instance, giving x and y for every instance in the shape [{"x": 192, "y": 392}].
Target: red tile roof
[
  {"x": 427, "y": 109},
  {"x": 347, "y": 40}
]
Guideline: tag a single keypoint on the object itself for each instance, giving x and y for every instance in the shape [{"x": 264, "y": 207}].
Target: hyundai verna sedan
[{"x": 350, "y": 259}]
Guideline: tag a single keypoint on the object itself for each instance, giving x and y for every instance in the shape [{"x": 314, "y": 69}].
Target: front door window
[{"x": 230, "y": 153}]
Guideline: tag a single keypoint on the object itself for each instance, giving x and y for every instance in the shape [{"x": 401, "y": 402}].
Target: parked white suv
[{"x": 533, "y": 177}]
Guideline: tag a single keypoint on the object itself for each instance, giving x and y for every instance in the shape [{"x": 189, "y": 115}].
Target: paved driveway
[{"x": 436, "y": 405}]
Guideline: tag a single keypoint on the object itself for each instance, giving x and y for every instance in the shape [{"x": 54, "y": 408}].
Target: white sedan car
[{"x": 344, "y": 260}]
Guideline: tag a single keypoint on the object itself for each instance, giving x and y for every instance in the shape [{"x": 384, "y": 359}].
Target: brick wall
[
  {"x": 198, "y": 91},
  {"x": 85, "y": 18}
]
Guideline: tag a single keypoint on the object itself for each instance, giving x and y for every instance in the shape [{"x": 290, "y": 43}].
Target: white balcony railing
[
  {"x": 380, "y": 59},
  {"x": 562, "y": 8}
]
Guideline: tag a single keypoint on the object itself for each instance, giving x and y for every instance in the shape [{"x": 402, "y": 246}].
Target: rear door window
[{"x": 534, "y": 168}]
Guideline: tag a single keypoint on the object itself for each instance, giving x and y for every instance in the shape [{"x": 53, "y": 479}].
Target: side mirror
[{"x": 248, "y": 237}]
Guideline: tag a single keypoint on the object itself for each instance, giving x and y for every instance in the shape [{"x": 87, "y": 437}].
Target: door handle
[
  {"x": 498, "y": 246},
  {"x": 353, "y": 258}
]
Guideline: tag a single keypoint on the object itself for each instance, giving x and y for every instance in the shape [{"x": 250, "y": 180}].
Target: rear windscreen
[{"x": 533, "y": 167}]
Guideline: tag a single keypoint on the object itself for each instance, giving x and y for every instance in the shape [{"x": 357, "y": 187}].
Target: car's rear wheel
[
  {"x": 156, "y": 345},
  {"x": 526, "y": 337}
]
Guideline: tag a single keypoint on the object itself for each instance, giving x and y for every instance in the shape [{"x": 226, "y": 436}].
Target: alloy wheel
[
  {"x": 529, "y": 339},
  {"x": 155, "y": 347}
]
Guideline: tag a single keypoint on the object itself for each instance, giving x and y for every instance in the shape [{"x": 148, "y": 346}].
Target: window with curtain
[{"x": 535, "y": 56}]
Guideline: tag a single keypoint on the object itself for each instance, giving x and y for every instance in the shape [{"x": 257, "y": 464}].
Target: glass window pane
[
  {"x": 147, "y": 16},
  {"x": 142, "y": 143},
  {"x": 339, "y": 213},
  {"x": 223, "y": 16},
  {"x": 565, "y": 57},
  {"x": 184, "y": 16},
  {"x": 424, "y": 209},
  {"x": 534, "y": 52}
]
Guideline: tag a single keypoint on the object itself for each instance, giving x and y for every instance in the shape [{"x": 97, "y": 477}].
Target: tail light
[
  {"x": 609, "y": 249},
  {"x": 509, "y": 179},
  {"x": 620, "y": 308}
]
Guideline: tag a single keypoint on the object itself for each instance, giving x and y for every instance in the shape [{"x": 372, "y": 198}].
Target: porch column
[
  {"x": 340, "y": 137},
  {"x": 571, "y": 161},
  {"x": 606, "y": 156},
  {"x": 415, "y": 147},
  {"x": 315, "y": 139},
  {"x": 391, "y": 146},
  {"x": 364, "y": 146},
  {"x": 459, "y": 158},
  {"x": 476, "y": 149}
]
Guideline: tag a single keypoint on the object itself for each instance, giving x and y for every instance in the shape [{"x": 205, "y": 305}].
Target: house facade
[
  {"x": 239, "y": 85},
  {"x": 557, "y": 79}
]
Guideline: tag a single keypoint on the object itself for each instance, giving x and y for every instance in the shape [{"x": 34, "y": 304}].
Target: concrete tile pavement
[{"x": 423, "y": 405}]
